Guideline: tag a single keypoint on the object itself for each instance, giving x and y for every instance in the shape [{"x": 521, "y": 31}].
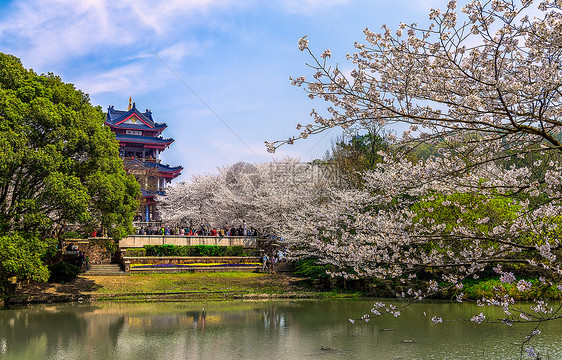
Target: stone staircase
[{"x": 104, "y": 270}]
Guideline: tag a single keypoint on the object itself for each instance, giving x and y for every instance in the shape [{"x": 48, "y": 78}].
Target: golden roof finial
[{"x": 130, "y": 104}]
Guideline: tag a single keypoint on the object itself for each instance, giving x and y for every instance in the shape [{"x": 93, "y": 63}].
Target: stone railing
[
  {"x": 146, "y": 224},
  {"x": 138, "y": 241}
]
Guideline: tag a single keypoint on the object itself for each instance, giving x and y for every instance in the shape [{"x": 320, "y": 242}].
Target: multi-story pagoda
[{"x": 140, "y": 146}]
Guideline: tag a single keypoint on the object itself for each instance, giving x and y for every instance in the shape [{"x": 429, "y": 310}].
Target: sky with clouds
[{"x": 216, "y": 71}]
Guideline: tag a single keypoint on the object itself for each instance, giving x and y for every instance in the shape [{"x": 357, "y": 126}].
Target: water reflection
[{"x": 256, "y": 330}]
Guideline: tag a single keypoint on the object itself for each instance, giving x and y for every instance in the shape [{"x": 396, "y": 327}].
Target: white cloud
[
  {"x": 107, "y": 48},
  {"x": 159, "y": 15},
  {"x": 182, "y": 49},
  {"x": 119, "y": 80},
  {"x": 47, "y": 32}
]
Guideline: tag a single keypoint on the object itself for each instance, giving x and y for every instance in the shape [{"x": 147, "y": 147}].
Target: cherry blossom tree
[
  {"x": 187, "y": 203},
  {"x": 496, "y": 71},
  {"x": 262, "y": 194},
  {"x": 483, "y": 84}
]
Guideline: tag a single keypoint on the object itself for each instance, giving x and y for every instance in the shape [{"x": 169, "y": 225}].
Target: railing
[
  {"x": 142, "y": 159},
  {"x": 146, "y": 224},
  {"x": 138, "y": 241}
]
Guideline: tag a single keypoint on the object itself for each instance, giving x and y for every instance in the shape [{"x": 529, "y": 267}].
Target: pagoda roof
[
  {"x": 141, "y": 126},
  {"x": 164, "y": 168},
  {"x": 132, "y": 119},
  {"x": 143, "y": 139}
]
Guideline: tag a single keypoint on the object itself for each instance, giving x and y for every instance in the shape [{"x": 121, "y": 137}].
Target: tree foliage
[
  {"x": 58, "y": 164},
  {"x": 24, "y": 257},
  {"x": 350, "y": 157},
  {"x": 263, "y": 194},
  {"x": 482, "y": 86}
]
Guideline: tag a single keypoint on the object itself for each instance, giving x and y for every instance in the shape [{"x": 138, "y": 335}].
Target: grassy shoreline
[
  {"x": 220, "y": 286},
  {"x": 174, "y": 287}
]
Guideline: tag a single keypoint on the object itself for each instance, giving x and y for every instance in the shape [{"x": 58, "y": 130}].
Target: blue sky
[{"x": 207, "y": 68}]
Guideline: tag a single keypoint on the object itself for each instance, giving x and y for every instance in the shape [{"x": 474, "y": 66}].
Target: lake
[{"x": 260, "y": 330}]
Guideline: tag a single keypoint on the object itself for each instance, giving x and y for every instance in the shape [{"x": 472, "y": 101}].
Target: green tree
[
  {"x": 24, "y": 257},
  {"x": 350, "y": 158},
  {"x": 58, "y": 164}
]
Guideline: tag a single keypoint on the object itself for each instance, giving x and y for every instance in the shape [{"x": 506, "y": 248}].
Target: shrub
[
  {"x": 207, "y": 250},
  {"x": 190, "y": 250},
  {"x": 135, "y": 252},
  {"x": 168, "y": 250},
  {"x": 234, "y": 251},
  {"x": 161, "y": 250},
  {"x": 311, "y": 269},
  {"x": 63, "y": 272},
  {"x": 150, "y": 250}
]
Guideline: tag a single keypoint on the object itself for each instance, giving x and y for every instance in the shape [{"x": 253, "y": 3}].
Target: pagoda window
[{"x": 133, "y": 132}]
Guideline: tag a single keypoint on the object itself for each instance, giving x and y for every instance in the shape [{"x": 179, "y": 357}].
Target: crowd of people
[
  {"x": 270, "y": 259},
  {"x": 204, "y": 229}
]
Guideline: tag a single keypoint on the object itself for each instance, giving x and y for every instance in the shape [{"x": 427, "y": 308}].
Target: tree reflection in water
[{"x": 253, "y": 330}]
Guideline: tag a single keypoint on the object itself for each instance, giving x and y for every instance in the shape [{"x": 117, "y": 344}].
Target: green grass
[
  {"x": 477, "y": 289},
  {"x": 194, "y": 282}
]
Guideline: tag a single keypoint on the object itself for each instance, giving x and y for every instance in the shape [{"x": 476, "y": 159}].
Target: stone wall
[{"x": 98, "y": 250}]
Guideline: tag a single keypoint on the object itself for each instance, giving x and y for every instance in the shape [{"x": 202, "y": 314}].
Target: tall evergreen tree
[{"x": 58, "y": 164}]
